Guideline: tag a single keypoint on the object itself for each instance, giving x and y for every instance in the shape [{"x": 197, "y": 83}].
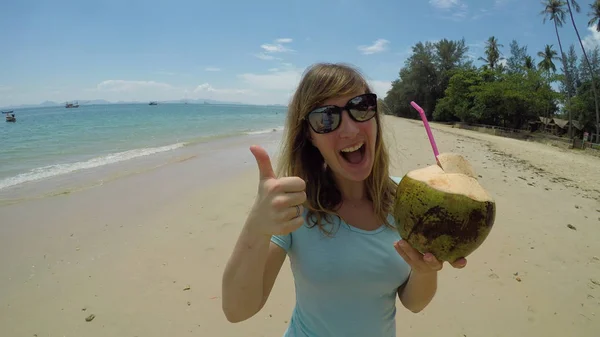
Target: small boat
[
  {"x": 10, "y": 117},
  {"x": 153, "y": 103},
  {"x": 71, "y": 105}
]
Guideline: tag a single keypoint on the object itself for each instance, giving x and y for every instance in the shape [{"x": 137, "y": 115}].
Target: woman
[{"x": 329, "y": 210}]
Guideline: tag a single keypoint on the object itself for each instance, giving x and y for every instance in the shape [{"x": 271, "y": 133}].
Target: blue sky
[{"x": 237, "y": 50}]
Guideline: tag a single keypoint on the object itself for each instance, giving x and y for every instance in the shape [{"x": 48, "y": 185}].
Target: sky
[{"x": 238, "y": 50}]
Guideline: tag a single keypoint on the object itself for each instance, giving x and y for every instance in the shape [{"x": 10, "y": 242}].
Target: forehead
[{"x": 341, "y": 100}]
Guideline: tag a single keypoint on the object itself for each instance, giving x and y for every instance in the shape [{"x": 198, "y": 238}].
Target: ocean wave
[
  {"x": 60, "y": 169},
  {"x": 259, "y": 132}
]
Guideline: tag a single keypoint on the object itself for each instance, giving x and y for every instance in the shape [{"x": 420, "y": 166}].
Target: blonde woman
[{"x": 328, "y": 209}]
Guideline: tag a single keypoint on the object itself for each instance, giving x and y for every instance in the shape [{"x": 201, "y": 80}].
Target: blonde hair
[{"x": 298, "y": 157}]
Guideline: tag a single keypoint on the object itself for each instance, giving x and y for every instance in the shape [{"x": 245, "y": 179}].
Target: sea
[{"x": 58, "y": 142}]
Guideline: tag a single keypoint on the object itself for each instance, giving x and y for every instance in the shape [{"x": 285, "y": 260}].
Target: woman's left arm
[{"x": 416, "y": 293}]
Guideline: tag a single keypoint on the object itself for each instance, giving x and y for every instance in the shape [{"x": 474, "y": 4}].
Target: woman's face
[{"x": 349, "y": 151}]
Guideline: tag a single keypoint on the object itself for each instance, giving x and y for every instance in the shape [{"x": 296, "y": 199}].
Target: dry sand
[{"x": 127, "y": 254}]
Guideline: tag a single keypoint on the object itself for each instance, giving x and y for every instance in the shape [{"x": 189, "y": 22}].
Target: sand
[{"x": 145, "y": 252}]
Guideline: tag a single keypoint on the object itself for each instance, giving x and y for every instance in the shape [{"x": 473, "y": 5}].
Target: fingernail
[{"x": 401, "y": 243}]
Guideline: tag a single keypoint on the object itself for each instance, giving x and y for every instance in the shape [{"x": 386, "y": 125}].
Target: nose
[{"x": 348, "y": 127}]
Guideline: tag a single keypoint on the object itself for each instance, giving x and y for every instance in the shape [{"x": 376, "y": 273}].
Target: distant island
[{"x": 105, "y": 102}]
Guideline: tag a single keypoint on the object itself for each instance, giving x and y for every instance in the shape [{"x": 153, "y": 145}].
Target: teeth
[{"x": 353, "y": 148}]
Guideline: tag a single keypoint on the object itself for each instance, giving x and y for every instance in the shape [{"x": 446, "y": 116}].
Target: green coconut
[{"x": 443, "y": 209}]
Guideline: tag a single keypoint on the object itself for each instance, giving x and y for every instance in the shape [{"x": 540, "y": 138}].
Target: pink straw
[{"x": 429, "y": 134}]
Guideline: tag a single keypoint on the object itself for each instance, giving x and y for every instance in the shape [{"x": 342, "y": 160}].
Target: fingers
[
  {"x": 265, "y": 168},
  {"x": 412, "y": 253},
  {"x": 287, "y": 184},
  {"x": 432, "y": 262},
  {"x": 293, "y": 212},
  {"x": 460, "y": 263},
  {"x": 421, "y": 262},
  {"x": 289, "y": 199}
]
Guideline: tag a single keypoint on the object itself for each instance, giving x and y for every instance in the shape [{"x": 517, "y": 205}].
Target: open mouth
[{"x": 354, "y": 154}]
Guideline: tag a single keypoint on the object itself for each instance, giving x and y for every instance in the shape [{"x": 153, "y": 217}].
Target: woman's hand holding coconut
[{"x": 423, "y": 263}]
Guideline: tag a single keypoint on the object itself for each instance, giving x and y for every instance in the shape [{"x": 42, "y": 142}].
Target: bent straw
[{"x": 429, "y": 134}]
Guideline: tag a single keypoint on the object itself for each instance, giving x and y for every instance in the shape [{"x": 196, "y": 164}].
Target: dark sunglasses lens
[
  {"x": 324, "y": 120},
  {"x": 363, "y": 107}
]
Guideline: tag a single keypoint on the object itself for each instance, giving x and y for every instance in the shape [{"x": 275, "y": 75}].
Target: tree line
[{"x": 506, "y": 91}]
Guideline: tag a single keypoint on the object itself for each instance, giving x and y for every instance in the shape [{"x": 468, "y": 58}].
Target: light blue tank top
[{"x": 346, "y": 284}]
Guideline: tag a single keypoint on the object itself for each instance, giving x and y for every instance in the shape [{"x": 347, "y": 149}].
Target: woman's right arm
[
  {"x": 254, "y": 264},
  {"x": 250, "y": 275}
]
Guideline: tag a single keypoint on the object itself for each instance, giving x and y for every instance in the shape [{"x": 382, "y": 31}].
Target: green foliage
[
  {"x": 507, "y": 92},
  {"x": 442, "y": 79}
]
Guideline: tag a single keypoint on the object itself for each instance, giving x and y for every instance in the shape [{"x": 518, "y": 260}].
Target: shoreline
[{"x": 92, "y": 177}]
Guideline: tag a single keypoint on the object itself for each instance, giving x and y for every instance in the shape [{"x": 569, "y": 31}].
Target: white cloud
[
  {"x": 276, "y": 47},
  {"x": 456, "y": 9},
  {"x": 281, "y": 80},
  {"x": 205, "y": 88},
  {"x": 444, "y": 4},
  {"x": 591, "y": 41},
  {"x": 378, "y": 46},
  {"x": 380, "y": 87},
  {"x": 212, "y": 69},
  {"x": 266, "y": 57}
]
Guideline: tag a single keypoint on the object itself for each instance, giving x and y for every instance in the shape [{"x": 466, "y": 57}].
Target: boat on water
[
  {"x": 72, "y": 105},
  {"x": 10, "y": 116},
  {"x": 153, "y": 103}
]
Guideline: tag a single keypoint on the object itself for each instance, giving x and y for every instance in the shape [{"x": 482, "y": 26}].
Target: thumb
[{"x": 265, "y": 168}]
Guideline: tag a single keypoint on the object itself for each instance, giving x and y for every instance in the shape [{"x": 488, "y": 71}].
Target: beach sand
[{"x": 145, "y": 253}]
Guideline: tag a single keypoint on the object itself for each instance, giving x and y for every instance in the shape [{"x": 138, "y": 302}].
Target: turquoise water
[{"x": 47, "y": 142}]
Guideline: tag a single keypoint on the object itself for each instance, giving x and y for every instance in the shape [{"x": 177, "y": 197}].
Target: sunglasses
[{"x": 328, "y": 118}]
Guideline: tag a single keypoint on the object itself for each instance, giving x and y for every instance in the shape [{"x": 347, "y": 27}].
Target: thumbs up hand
[{"x": 278, "y": 206}]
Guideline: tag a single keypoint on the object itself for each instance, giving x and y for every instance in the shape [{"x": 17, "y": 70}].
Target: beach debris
[
  {"x": 494, "y": 276},
  {"x": 189, "y": 303},
  {"x": 595, "y": 259},
  {"x": 518, "y": 279},
  {"x": 577, "y": 206},
  {"x": 187, "y": 288},
  {"x": 571, "y": 227},
  {"x": 90, "y": 318},
  {"x": 594, "y": 283},
  {"x": 84, "y": 309},
  {"x": 516, "y": 274}
]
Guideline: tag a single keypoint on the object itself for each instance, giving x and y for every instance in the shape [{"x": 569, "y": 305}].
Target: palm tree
[
  {"x": 554, "y": 10},
  {"x": 595, "y": 14},
  {"x": 587, "y": 60},
  {"x": 530, "y": 63},
  {"x": 547, "y": 63},
  {"x": 492, "y": 52}
]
